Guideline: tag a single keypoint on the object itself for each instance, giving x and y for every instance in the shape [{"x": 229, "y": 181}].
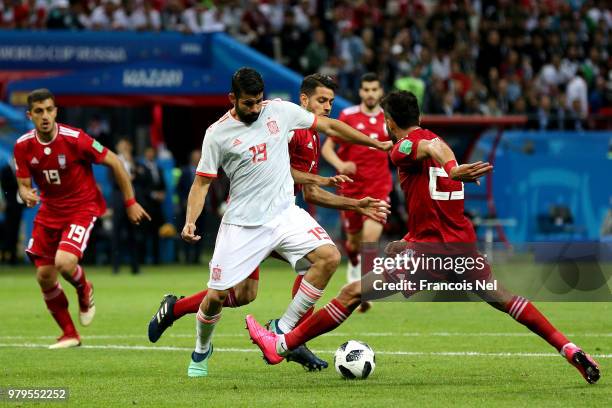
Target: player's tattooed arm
[
  {"x": 442, "y": 153},
  {"x": 345, "y": 132},
  {"x": 134, "y": 211},
  {"x": 301, "y": 177},
  {"x": 328, "y": 151},
  {"x": 28, "y": 194},
  {"x": 195, "y": 204}
]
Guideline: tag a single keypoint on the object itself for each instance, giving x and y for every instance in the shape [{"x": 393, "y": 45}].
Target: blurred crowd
[{"x": 548, "y": 59}]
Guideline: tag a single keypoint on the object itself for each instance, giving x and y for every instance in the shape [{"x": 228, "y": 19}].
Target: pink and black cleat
[
  {"x": 265, "y": 340},
  {"x": 582, "y": 361}
]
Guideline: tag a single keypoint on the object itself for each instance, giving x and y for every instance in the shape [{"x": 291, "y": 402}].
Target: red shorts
[
  {"x": 352, "y": 221},
  {"x": 72, "y": 237}
]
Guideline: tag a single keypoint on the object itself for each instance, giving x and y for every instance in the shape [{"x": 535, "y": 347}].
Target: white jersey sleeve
[
  {"x": 297, "y": 117},
  {"x": 210, "y": 160}
]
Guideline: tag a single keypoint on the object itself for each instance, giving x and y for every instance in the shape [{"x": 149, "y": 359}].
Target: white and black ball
[{"x": 355, "y": 360}]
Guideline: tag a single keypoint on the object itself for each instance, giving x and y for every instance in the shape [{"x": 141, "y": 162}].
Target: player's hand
[
  {"x": 374, "y": 209},
  {"x": 31, "y": 197},
  {"x": 188, "y": 233},
  {"x": 336, "y": 181},
  {"x": 347, "y": 167},
  {"x": 385, "y": 146},
  {"x": 395, "y": 247},
  {"x": 136, "y": 214},
  {"x": 471, "y": 172}
]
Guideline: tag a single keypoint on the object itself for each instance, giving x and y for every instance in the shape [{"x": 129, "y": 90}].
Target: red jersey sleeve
[
  {"x": 404, "y": 153},
  {"x": 21, "y": 164},
  {"x": 90, "y": 149}
]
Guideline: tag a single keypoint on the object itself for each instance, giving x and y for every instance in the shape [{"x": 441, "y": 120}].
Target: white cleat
[
  {"x": 85, "y": 318},
  {"x": 66, "y": 342},
  {"x": 353, "y": 272}
]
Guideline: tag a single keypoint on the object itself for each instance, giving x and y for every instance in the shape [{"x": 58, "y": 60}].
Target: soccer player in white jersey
[{"x": 250, "y": 143}]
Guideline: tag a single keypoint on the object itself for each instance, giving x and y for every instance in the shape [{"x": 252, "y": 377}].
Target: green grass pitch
[{"x": 428, "y": 354}]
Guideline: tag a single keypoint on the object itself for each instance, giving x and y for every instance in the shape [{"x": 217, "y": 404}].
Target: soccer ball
[{"x": 354, "y": 359}]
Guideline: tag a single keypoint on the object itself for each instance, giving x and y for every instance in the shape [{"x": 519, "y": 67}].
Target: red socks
[
  {"x": 353, "y": 255},
  {"x": 324, "y": 320},
  {"x": 77, "y": 279},
  {"x": 524, "y": 312},
  {"x": 57, "y": 303},
  {"x": 191, "y": 304}
]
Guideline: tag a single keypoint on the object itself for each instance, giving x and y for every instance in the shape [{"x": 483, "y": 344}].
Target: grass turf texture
[{"x": 120, "y": 374}]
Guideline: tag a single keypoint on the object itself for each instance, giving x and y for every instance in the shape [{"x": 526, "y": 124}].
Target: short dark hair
[
  {"x": 312, "y": 82},
  {"x": 247, "y": 81},
  {"x": 39, "y": 95},
  {"x": 402, "y": 107},
  {"x": 368, "y": 77}
]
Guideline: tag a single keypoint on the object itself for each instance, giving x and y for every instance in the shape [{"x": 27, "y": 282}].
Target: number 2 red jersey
[
  {"x": 434, "y": 201},
  {"x": 63, "y": 174},
  {"x": 304, "y": 148},
  {"x": 373, "y": 177}
]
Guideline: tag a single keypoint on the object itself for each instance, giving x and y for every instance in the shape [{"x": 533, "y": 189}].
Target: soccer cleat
[
  {"x": 582, "y": 361},
  {"x": 265, "y": 340},
  {"x": 87, "y": 307},
  {"x": 353, "y": 272},
  {"x": 163, "y": 318},
  {"x": 199, "y": 368},
  {"x": 66, "y": 342},
  {"x": 302, "y": 354}
]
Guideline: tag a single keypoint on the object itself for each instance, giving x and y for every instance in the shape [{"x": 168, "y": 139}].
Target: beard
[{"x": 246, "y": 117}]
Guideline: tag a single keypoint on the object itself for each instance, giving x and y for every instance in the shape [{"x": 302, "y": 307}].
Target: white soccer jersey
[{"x": 255, "y": 157}]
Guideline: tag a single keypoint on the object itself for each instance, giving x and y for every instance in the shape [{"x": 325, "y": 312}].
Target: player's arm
[
  {"x": 135, "y": 212},
  {"x": 195, "y": 204},
  {"x": 442, "y": 153},
  {"x": 345, "y": 132},
  {"x": 301, "y": 177},
  {"x": 328, "y": 151},
  {"x": 370, "y": 207},
  {"x": 28, "y": 194}
]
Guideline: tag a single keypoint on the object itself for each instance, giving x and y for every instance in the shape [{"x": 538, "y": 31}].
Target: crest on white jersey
[{"x": 273, "y": 127}]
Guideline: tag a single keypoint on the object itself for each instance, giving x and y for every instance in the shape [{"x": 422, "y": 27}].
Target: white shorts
[{"x": 239, "y": 249}]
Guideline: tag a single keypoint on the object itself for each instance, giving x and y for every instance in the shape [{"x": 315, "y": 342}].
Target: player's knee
[
  {"x": 245, "y": 296},
  {"x": 217, "y": 296},
  {"x": 46, "y": 276},
  {"x": 66, "y": 264},
  {"x": 330, "y": 259}
]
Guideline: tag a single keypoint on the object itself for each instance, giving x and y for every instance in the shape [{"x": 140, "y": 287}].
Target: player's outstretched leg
[
  {"x": 524, "y": 312},
  {"x": 302, "y": 354},
  {"x": 275, "y": 347},
  {"x": 172, "y": 308}
]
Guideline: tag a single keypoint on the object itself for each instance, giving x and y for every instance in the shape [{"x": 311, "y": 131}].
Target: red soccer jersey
[
  {"x": 304, "y": 150},
  {"x": 373, "y": 176},
  {"x": 63, "y": 173},
  {"x": 434, "y": 201}
]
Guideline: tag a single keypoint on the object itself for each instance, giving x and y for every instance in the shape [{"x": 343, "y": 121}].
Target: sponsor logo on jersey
[
  {"x": 406, "y": 147},
  {"x": 310, "y": 145},
  {"x": 61, "y": 159},
  {"x": 216, "y": 273},
  {"x": 273, "y": 127},
  {"x": 236, "y": 142},
  {"x": 34, "y": 161},
  {"x": 97, "y": 146}
]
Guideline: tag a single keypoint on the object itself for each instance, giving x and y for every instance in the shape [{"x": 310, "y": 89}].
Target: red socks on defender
[
  {"x": 324, "y": 320},
  {"x": 57, "y": 303},
  {"x": 526, "y": 313},
  {"x": 191, "y": 304}
]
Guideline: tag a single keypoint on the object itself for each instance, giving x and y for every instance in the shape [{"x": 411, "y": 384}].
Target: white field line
[
  {"x": 254, "y": 350},
  {"x": 332, "y": 334}
]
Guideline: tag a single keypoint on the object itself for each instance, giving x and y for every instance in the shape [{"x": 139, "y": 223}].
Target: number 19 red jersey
[
  {"x": 434, "y": 201},
  {"x": 63, "y": 173}
]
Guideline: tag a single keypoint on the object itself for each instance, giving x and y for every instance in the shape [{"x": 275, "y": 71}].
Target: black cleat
[
  {"x": 163, "y": 318},
  {"x": 302, "y": 355}
]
